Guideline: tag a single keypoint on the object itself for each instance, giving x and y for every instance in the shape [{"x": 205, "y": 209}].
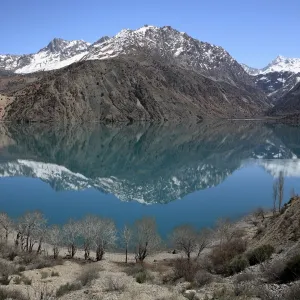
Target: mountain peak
[
  {"x": 283, "y": 64},
  {"x": 56, "y": 45},
  {"x": 279, "y": 64},
  {"x": 101, "y": 40}
]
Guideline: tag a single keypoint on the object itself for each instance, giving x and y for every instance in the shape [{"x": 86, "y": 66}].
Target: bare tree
[
  {"x": 185, "y": 238},
  {"x": 147, "y": 239},
  {"x": 275, "y": 196},
  {"x": 71, "y": 234},
  {"x": 6, "y": 224},
  {"x": 204, "y": 239},
  {"x": 225, "y": 231},
  {"x": 28, "y": 228},
  {"x": 280, "y": 190},
  {"x": 39, "y": 234},
  {"x": 87, "y": 234},
  {"x": 105, "y": 236},
  {"x": 126, "y": 237},
  {"x": 55, "y": 239}
]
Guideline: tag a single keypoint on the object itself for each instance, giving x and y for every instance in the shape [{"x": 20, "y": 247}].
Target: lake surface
[{"x": 176, "y": 173}]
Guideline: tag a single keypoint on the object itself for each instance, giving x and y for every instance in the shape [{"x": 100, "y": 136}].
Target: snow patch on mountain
[
  {"x": 289, "y": 167},
  {"x": 57, "y": 54}
]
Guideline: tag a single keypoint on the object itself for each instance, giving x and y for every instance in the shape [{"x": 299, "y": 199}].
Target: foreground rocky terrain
[{"x": 256, "y": 258}]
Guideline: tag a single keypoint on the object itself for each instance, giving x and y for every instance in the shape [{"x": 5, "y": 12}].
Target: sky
[{"x": 253, "y": 31}]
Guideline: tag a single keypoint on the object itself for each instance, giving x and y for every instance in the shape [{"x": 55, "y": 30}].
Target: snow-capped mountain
[
  {"x": 164, "y": 42},
  {"x": 57, "y": 54},
  {"x": 250, "y": 70},
  {"x": 171, "y": 45},
  {"x": 277, "y": 78},
  {"x": 279, "y": 64}
]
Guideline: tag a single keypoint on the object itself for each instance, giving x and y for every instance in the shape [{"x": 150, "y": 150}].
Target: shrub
[
  {"x": 238, "y": 264},
  {"x": 33, "y": 261},
  {"x": 132, "y": 270},
  {"x": 21, "y": 269},
  {"x": 185, "y": 269},
  {"x": 17, "y": 280},
  {"x": 260, "y": 254},
  {"x": 202, "y": 278},
  {"x": 293, "y": 293},
  {"x": 273, "y": 270},
  {"x": 114, "y": 285},
  {"x": 67, "y": 288},
  {"x": 244, "y": 277},
  {"x": 221, "y": 255},
  {"x": 44, "y": 274},
  {"x": 26, "y": 280},
  {"x": 143, "y": 276},
  {"x": 6, "y": 269},
  {"x": 54, "y": 274},
  {"x": 12, "y": 295},
  {"x": 28, "y": 258},
  {"x": 88, "y": 275},
  {"x": 4, "y": 280},
  {"x": 292, "y": 270},
  {"x": 11, "y": 255}
]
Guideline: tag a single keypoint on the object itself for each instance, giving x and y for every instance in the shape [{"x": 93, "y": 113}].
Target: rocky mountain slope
[
  {"x": 132, "y": 88},
  {"x": 289, "y": 104},
  {"x": 278, "y": 78}
]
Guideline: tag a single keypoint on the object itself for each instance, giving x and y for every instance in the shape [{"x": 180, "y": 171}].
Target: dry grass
[{"x": 88, "y": 274}]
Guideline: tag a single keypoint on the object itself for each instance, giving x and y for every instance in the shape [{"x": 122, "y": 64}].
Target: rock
[{"x": 191, "y": 295}]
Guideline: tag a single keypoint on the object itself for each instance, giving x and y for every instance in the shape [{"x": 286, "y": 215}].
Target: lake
[{"x": 178, "y": 173}]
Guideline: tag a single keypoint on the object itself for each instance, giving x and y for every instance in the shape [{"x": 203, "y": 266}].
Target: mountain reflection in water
[{"x": 144, "y": 162}]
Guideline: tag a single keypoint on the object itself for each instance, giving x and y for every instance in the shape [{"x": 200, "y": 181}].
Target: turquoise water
[{"x": 176, "y": 173}]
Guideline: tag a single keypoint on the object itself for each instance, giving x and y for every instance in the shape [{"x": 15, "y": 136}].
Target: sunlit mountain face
[{"x": 145, "y": 162}]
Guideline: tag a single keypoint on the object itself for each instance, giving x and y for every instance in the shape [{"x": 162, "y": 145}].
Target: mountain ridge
[
  {"x": 152, "y": 73},
  {"x": 192, "y": 52}
]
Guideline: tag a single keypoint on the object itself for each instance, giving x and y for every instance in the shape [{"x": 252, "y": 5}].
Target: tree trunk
[
  {"x": 86, "y": 253},
  {"x": 99, "y": 253},
  {"x": 17, "y": 240},
  {"x": 73, "y": 250},
  {"x": 39, "y": 246},
  {"x": 126, "y": 254},
  {"x": 27, "y": 243},
  {"x": 55, "y": 252}
]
